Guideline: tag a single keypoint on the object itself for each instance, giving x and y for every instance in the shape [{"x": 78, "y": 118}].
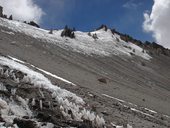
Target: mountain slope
[
  {"x": 131, "y": 75},
  {"x": 106, "y": 43},
  {"x": 18, "y": 81}
]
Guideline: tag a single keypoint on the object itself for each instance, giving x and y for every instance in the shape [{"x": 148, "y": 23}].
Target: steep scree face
[{"x": 130, "y": 73}]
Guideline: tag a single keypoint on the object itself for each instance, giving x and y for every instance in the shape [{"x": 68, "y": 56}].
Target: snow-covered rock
[
  {"x": 71, "y": 106},
  {"x": 106, "y": 43}
]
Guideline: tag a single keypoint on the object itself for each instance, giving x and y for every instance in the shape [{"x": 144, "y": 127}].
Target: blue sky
[{"x": 126, "y": 16}]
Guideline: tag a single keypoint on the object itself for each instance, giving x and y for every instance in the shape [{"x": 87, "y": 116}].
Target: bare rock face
[
  {"x": 1, "y": 11},
  {"x": 104, "y": 27},
  {"x": 67, "y": 32},
  {"x": 25, "y": 123},
  {"x": 34, "y": 24},
  {"x": 3, "y": 15},
  {"x": 10, "y": 17}
]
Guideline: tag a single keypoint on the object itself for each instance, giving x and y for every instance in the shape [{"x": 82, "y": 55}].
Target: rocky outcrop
[
  {"x": 11, "y": 18},
  {"x": 4, "y": 15},
  {"x": 34, "y": 24},
  {"x": 151, "y": 47},
  {"x": 67, "y": 32},
  {"x": 1, "y": 11},
  {"x": 104, "y": 27}
]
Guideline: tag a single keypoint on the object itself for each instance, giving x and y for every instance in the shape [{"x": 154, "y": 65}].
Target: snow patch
[
  {"x": 117, "y": 126},
  {"x": 152, "y": 111},
  {"x": 10, "y": 110},
  {"x": 57, "y": 77},
  {"x": 46, "y": 72},
  {"x": 113, "y": 98},
  {"x": 133, "y": 109},
  {"x": 17, "y": 60},
  {"x": 106, "y": 44},
  {"x": 38, "y": 79},
  {"x": 71, "y": 106}
]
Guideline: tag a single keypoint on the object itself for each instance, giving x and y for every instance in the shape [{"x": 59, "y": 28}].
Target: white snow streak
[
  {"x": 57, "y": 77},
  {"x": 133, "y": 109},
  {"x": 46, "y": 72},
  {"x": 113, "y": 98}
]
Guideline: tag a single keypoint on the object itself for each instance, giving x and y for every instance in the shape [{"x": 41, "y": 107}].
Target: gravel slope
[{"x": 135, "y": 80}]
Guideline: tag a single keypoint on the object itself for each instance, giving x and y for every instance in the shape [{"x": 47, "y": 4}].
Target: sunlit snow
[{"x": 107, "y": 44}]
